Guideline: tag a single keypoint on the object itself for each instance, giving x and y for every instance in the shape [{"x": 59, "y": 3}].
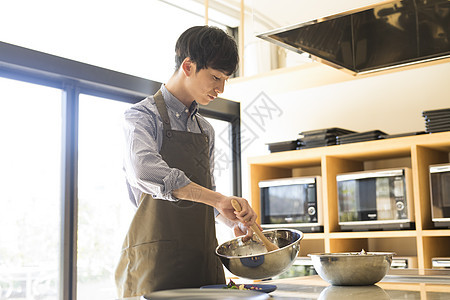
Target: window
[
  {"x": 61, "y": 166},
  {"x": 104, "y": 211},
  {"x": 223, "y": 169},
  {"x": 135, "y": 37},
  {"x": 31, "y": 121},
  {"x": 30, "y": 212},
  {"x": 223, "y": 158}
]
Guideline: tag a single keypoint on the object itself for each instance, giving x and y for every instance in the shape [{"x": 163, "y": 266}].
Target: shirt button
[
  {"x": 187, "y": 110},
  {"x": 177, "y": 114}
]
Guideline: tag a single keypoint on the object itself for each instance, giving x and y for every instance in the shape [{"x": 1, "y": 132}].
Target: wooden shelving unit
[{"x": 415, "y": 152}]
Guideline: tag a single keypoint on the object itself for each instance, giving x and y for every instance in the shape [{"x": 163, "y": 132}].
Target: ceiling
[
  {"x": 227, "y": 12},
  {"x": 271, "y": 14}
]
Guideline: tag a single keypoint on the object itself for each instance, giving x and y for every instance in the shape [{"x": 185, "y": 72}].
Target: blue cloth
[{"x": 145, "y": 170}]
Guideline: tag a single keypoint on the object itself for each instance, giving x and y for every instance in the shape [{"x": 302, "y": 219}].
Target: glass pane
[
  {"x": 223, "y": 169},
  {"x": 30, "y": 217},
  {"x": 223, "y": 159},
  {"x": 135, "y": 37},
  {"x": 104, "y": 211}
]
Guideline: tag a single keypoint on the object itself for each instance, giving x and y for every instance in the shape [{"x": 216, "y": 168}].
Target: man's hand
[
  {"x": 240, "y": 229},
  {"x": 247, "y": 215},
  {"x": 243, "y": 220}
]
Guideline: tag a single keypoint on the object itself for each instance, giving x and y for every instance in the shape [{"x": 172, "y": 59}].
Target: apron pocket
[{"x": 152, "y": 266}]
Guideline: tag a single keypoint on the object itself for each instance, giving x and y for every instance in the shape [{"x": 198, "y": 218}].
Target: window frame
[{"x": 74, "y": 78}]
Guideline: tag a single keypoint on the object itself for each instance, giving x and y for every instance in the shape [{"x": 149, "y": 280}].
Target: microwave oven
[
  {"x": 404, "y": 262},
  {"x": 375, "y": 200},
  {"x": 440, "y": 262},
  {"x": 440, "y": 195},
  {"x": 292, "y": 203}
]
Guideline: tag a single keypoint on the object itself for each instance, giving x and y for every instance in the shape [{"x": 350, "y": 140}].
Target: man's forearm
[{"x": 197, "y": 193}]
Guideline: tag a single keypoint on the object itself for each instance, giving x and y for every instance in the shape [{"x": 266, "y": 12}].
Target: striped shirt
[{"x": 145, "y": 170}]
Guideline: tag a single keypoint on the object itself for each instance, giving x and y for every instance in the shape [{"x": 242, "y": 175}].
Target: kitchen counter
[
  {"x": 398, "y": 284},
  {"x": 313, "y": 287}
]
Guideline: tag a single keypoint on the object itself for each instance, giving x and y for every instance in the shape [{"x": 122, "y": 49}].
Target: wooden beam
[
  {"x": 206, "y": 11},
  {"x": 241, "y": 40}
]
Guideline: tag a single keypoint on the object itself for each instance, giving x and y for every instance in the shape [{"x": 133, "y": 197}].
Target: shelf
[
  {"x": 436, "y": 232},
  {"x": 371, "y": 150},
  {"x": 395, "y": 147},
  {"x": 288, "y": 159},
  {"x": 414, "y": 152},
  {"x": 373, "y": 234},
  {"x": 313, "y": 236}
]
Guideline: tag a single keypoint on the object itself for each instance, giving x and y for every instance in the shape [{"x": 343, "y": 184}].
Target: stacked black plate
[
  {"x": 321, "y": 137},
  {"x": 283, "y": 146},
  {"x": 437, "y": 120},
  {"x": 392, "y": 136},
  {"x": 360, "y": 137}
]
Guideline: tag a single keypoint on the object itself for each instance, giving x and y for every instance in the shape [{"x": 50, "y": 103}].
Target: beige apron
[{"x": 172, "y": 244}]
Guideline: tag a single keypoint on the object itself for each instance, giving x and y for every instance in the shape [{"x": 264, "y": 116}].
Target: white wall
[{"x": 391, "y": 102}]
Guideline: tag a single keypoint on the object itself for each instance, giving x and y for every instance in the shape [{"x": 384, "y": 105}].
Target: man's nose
[{"x": 220, "y": 88}]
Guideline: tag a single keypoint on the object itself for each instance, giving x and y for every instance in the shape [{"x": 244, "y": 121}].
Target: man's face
[{"x": 206, "y": 84}]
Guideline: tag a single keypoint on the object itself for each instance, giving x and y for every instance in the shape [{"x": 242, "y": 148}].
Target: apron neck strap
[
  {"x": 199, "y": 126},
  {"x": 162, "y": 109}
]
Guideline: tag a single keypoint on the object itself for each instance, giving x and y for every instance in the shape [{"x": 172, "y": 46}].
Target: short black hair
[{"x": 207, "y": 47}]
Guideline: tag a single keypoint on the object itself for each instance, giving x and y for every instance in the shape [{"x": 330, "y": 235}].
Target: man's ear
[{"x": 188, "y": 67}]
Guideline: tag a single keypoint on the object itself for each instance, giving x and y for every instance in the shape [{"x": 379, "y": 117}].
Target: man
[{"x": 168, "y": 164}]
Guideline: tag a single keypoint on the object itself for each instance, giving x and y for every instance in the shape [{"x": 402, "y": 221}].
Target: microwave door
[
  {"x": 436, "y": 195},
  {"x": 440, "y": 189},
  {"x": 274, "y": 205},
  {"x": 367, "y": 199},
  {"x": 348, "y": 191},
  {"x": 284, "y": 204},
  {"x": 385, "y": 199},
  {"x": 445, "y": 186}
]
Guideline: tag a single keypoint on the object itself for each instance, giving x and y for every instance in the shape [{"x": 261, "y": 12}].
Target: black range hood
[{"x": 386, "y": 35}]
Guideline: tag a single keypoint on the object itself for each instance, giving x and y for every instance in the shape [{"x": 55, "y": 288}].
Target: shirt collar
[{"x": 176, "y": 105}]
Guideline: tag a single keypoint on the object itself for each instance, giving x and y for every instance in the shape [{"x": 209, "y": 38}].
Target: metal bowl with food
[
  {"x": 250, "y": 259},
  {"x": 352, "y": 268}
]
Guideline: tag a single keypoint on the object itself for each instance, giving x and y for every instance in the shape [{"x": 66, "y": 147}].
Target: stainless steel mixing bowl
[
  {"x": 352, "y": 268},
  {"x": 251, "y": 260}
]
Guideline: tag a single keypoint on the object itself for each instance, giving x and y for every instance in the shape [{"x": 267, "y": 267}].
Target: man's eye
[{"x": 216, "y": 78}]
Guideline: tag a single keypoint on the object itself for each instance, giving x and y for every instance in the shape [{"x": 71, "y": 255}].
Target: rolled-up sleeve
[{"x": 145, "y": 169}]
